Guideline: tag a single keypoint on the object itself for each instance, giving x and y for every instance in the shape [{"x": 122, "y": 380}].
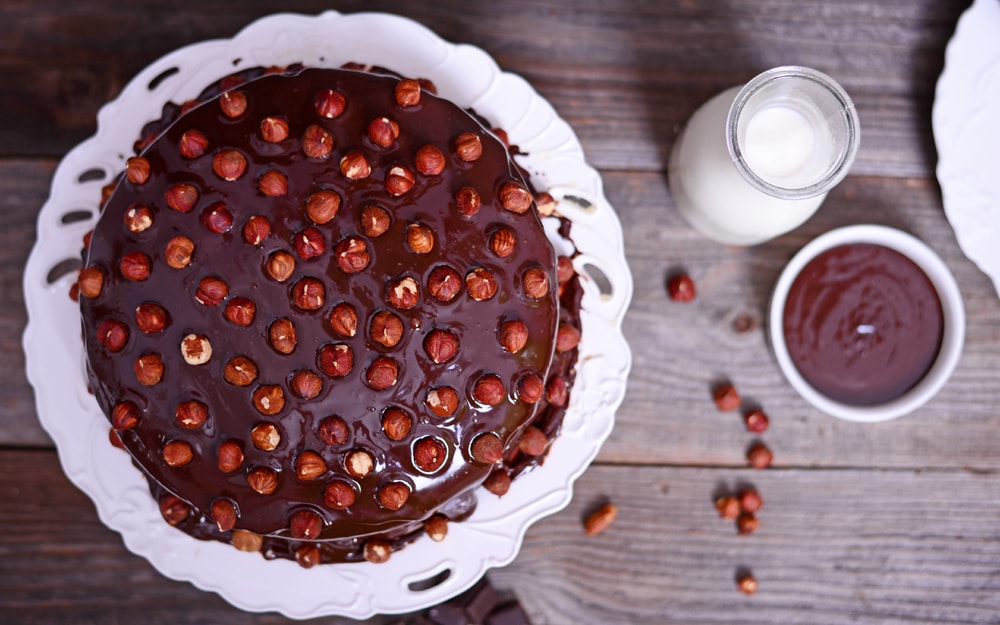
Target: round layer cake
[{"x": 320, "y": 309}]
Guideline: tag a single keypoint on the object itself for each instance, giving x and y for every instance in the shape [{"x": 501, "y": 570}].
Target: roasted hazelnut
[
  {"x": 386, "y": 329},
  {"x": 177, "y": 453},
  {"x": 359, "y": 463},
  {"x": 436, "y": 527},
  {"x": 444, "y": 283},
  {"x": 726, "y": 397},
  {"x": 333, "y": 431},
  {"x": 355, "y": 166},
  {"x": 728, "y": 507},
  {"x": 191, "y": 414},
  {"x": 178, "y": 252},
  {"x": 196, "y": 349},
  {"x": 352, "y": 255},
  {"x": 322, "y": 206},
  {"x": 747, "y": 524},
  {"x": 256, "y": 229},
  {"x": 125, "y": 416},
  {"x": 429, "y": 160},
  {"x": 557, "y": 391},
  {"x": 137, "y": 170},
  {"x": 138, "y": 218},
  {"x": 224, "y": 513},
  {"x": 106, "y": 192},
  {"x": 515, "y": 198},
  {"x": 403, "y": 293},
  {"x": 382, "y": 374},
  {"x": 481, "y": 284},
  {"x": 530, "y": 388},
  {"x": 265, "y": 436},
  {"x": 306, "y": 384},
  {"x": 467, "y": 201},
  {"x": 74, "y": 292},
  {"x": 383, "y": 131},
  {"x": 233, "y": 104},
  {"x": 273, "y": 129},
  {"x": 513, "y": 335},
  {"x": 489, "y": 390},
  {"x": 229, "y": 164},
  {"x": 546, "y": 203},
  {"x": 336, "y": 360},
  {"x": 317, "y": 142},
  {"x": 217, "y": 218},
  {"x": 441, "y": 346},
  {"x": 344, "y": 320},
  {"x": 396, "y": 423},
  {"x": 273, "y": 183},
  {"x": 150, "y": 318},
  {"x": 535, "y": 282},
  {"x": 91, "y": 281},
  {"x": 309, "y": 294},
  {"x": 443, "y": 401},
  {"x": 148, "y": 369},
  {"x": 377, "y": 551},
  {"x": 241, "y": 311},
  {"x": 759, "y": 456},
  {"x": 263, "y": 480},
  {"x": 173, "y": 509},
  {"x": 309, "y": 243},
  {"x": 751, "y": 501},
  {"x": 339, "y": 495},
  {"x": 747, "y": 584},
  {"x": 181, "y": 197},
  {"x": 281, "y": 335},
  {"x": 533, "y": 441},
  {"x": 308, "y": 556},
  {"x": 407, "y": 92},
  {"x": 429, "y": 454},
  {"x": 211, "y": 291},
  {"x": 600, "y": 519},
  {"x": 564, "y": 270},
  {"x": 487, "y": 448},
  {"x": 468, "y": 147},
  {"x": 269, "y": 399},
  {"x": 375, "y": 220},
  {"x": 192, "y": 144},
  {"x": 567, "y": 338},
  {"x": 280, "y": 265},
  {"x": 329, "y": 103},
  {"x": 309, "y": 466},
  {"x": 229, "y": 457},
  {"x": 498, "y": 482},
  {"x": 305, "y": 525},
  {"x": 419, "y": 238},
  {"x": 398, "y": 180},
  {"x": 503, "y": 241},
  {"x": 247, "y": 541},
  {"x": 240, "y": 371},
  {"x": 135, "y": 266},
  {"x": 393, "y": 495},
  {"x": 756, "y": 421},
  {"x": 681, "y": 288}
]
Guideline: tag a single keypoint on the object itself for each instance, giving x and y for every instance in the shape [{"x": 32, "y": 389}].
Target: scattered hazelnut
[
  {"x": 91, "y": 281},
  {"x": 217, "y": 218},
  {"x": 281, "y": 335},
  {"x": 317, "y": 142},
  {"x": 339, "y": 495},
  {"x": 323, "y": 206},
  {"x": 481, "y": 284},
  {"x": 375, "y": 220},
  {"x": 196, "y": 349},
  {"x": 138, "y": 218},
  {"x": 233, "y": 104},
  {"x": 533, "y": 441},
  {"x": 229, "y": 457},
  {"x": 398, "y": 180},
  {"x": 150, "y": 318},
  {"x": 306, "y": 384},
  {"x": 487, "y": 448},
  {"x": 513, "y": 335},
  {"x": 309, "y": 466},
  {"x": 680, "y": 288},
  {"x": 308, "y": 556},
  {"x": 468, "y": 147},
  {"x": 181, "y": 197},
  {"x": 329, "y": 103},
  {"x": 443, "y": 401},
  {"x": 503, "y": 241},
  {"x": 191, "y": 414},
  {"x": 344, "y": 320},
  {"x": 177, "y": 453},
  {"x": 600, "y": 519},
  {"x": 333, "y": 431},
  {"x": 359, "y": 463},
  {"x": 382, "y": 373},
  {"x": 309, "y": 294},
  {"x": 309, "y": 243},
  {"x": 403, "y": 293},
  {"x": 535, "y": 282},
  {"x": 747, "y": 584},
  {"x": 393, "y": 495},
  {"x": 265, "y": 436},
  {"x": 247, "y": 541},
  {"x": 530, "y": 388},
  {"x": 273, "y": 183},
  {"x": 751, "y": 501},
  {"x": 420, "y": 238},
  {"x": 377, "y": 551},
  {"x": 564, "y": 270},
  {"x": 557, "y": 391},
  {"x": 355, "y": 166},
  {"x": 444, "y": 283},
  {"x": 305, "y": 525},
  {"x": 383, "y": 131},
  {"x": 546, "y": 203},
  {"x": 386, "y": 329},
  {"x": 137, "y": 170},
  {"x": 269, "y": 399},
  {"x": 148, "y": 369},
  {"x": 728, "y": 507},
  {"x": 125, "y": 416},
  {"x": 756, "y": 421},
  {"x": 135, "y": 266},
  {"x": 211, "y": 291},
  {"x": 336, "y": 360},
  {"x": 429, "y": 160},
  {"x": 273, "y": 129},
  {"x": 178, "y": 252},
  {"x": 240, "y": 371},
  {"x": 263, "y": 480},
  {"x": 229, "y": 164},
  {"x": 173, "y": 509},
  {"x": 256, "y": 229},
  {"x": 759, "y": 456},
  {"x": 407, "y": 92},
  {"x": 280, "y": 265},
  {"x": 515, "y": 198},
  {"x": 396, "y": 423},
  {"x": 352, "y": 255},
  {"x": 441, "y": 346},
  {"x": 498, "y": 482},
  {"x": 241, "y": 311},
  {"x": 726, "y": 397},
  {"x": 224, "y": 514},
  {"x": 747, "y": 523},
  {"x": 567, "y": 338},
  {"x": 436, "y": 527},
  {"x": 192, "y": 144},
  {"x": 467, "y": 201}
]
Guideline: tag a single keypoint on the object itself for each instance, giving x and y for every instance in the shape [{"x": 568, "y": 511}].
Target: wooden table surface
[{"x": 889, "y": 523}]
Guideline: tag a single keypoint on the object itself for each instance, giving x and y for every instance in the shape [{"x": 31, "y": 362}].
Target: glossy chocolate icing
[{"x": 461, "y": 243}]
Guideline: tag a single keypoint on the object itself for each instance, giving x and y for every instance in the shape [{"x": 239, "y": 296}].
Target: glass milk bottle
[{"x": 756, "y": 161}]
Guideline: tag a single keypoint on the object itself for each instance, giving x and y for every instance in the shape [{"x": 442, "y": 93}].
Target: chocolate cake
[{"x": 320, "y": 310}]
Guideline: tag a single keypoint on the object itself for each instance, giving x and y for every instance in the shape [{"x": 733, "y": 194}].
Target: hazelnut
[
  {"x": 531, "y": 388},
  {"x": 273, "y": 183},
  {"x": 191, "y": 414},
  {"x": 329, "y": 103},
  {"x": 503, "y": 241},
  {"x": 398, "y": 180},
  {"x": 382, "y": 374},
  {"x": 375, "y": 220},
  {"x": 150, "y": 318},
  {"x": 377, "y": 551},
  {"x": 680, "y": 288},
  {"x": 359, "y": 463},
  {"x": 112, "y": 334},
  {"x": 443, "y": 401},
  {"x": 181, "y": 197},
  {"x": 407, "y": 92},
  {"x": 309, "y": 294},
  {"x": 600, "y": 519},
  {"x": 173, "y": 509},
  {"x": 481, "y": 284},
  {"x": 309, "y": 243},
  {"x": 386, "y": 329},
  {"x": 106, "y": 192},
  {"x": 192, "y": 144},
  {"x": 138, "y": 218},
  {"x": 352, "y": 255},
  {"x": 305, "y": 525},
  {"x": 487, "y": 448},
  {"x": 91, "y": 282},
  {"x": 747, "y": 584},
  {"x": 263, "y": 480},
  {"x": 429, "y": 454},
  {"x": 217, "y": 218},
  {"x": 177, "y": 453},
  {"x": 747, "y": 524},
  {"x": 344, "y": 320},
  {"x": 211, "y": 291},
  {"x": 567, "y": 338},
  {"x": 273, "y": 129},
  {"x": 489, "y": 390},
  {"x": 137, "y": 170},
  {"x": 229, "y": 164},
  {"x": 383, "y": 131},
  {"x": 546, "y": 203},
  {"x": 269, "y": 399},
  {"x": 178, "y": 252},
  {"x": 444, "y": 284},
  {"x": 726, "y": 397},
  {"x": 308, "y": 556},
  {"x": 247, "y": 541},
  {"x": 306, "y": 384},
  {"x": 403, "y": 293},
  {"x": 280, "y": 265},
  {"x": 317, "y": 142},
  {"x": 533, "y": 441},
  {"x": 230, "y": 456},
  {"x": 241, "y": 311},
  {"x": 564, "y": 270},
  {"x": 419, "y": 238},
  {"x": 333, "y": 431},
  {"x": 393, "y": 495},
  {"x": 240, "y": 371},
  {"x": 515, "y": 198},
  {"x": 322, "y": 206},
  {"x": 336, "y": 360},
  {"x": 467, "y": 201},
  {"x": 148, "y": 369},
  {"x": 196, "y": 349},
  {"x": 339, "y": 495},
  {"x": 135, "y": 266},
  {"x": 751, "y": 501},
  {"x": 396, "y": 423},
  {"x": 513, "y": 335},
  {"x": 265, "y": 436},
  {"x": 224, "y": 513},
  {"x": 759, "y": 456},
  {"x": 441, "y": 346},
  {"x": 436, "y": 527},
  {"x": 756, "y": 421},
  {"x": 468, "y": 147},
  {"x": 281, "y": 335},
  {"x": 429, "y": 160},
  {"x": 728, "y": 507},
  {"x": 233, "y": 104},
  {"x": 535, "y": 282},
  {"x": 498, "y": 482},
  {"x": 74, "y": 292},
  {"x": 309, "y": 466},
  {"x": 256, "y": 229},
  {"x": 355, "y": 166},
  {"x": 125, "y": 416},
  {"x": 557, "y": 391}
]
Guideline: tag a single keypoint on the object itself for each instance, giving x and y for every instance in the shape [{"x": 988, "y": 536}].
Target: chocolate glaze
[
  {"x": 461, "y": 243},
  {"x": 863, "y": 324}
]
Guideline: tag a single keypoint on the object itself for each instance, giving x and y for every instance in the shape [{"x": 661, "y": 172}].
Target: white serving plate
[{"x": 493, "y": 535}]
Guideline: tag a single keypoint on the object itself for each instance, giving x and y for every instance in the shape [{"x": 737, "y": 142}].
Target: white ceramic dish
[
  {"x": 493, "y": 535},
  {"x": 967, "y": 133},
  {"x": 951, "y": 303}
]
